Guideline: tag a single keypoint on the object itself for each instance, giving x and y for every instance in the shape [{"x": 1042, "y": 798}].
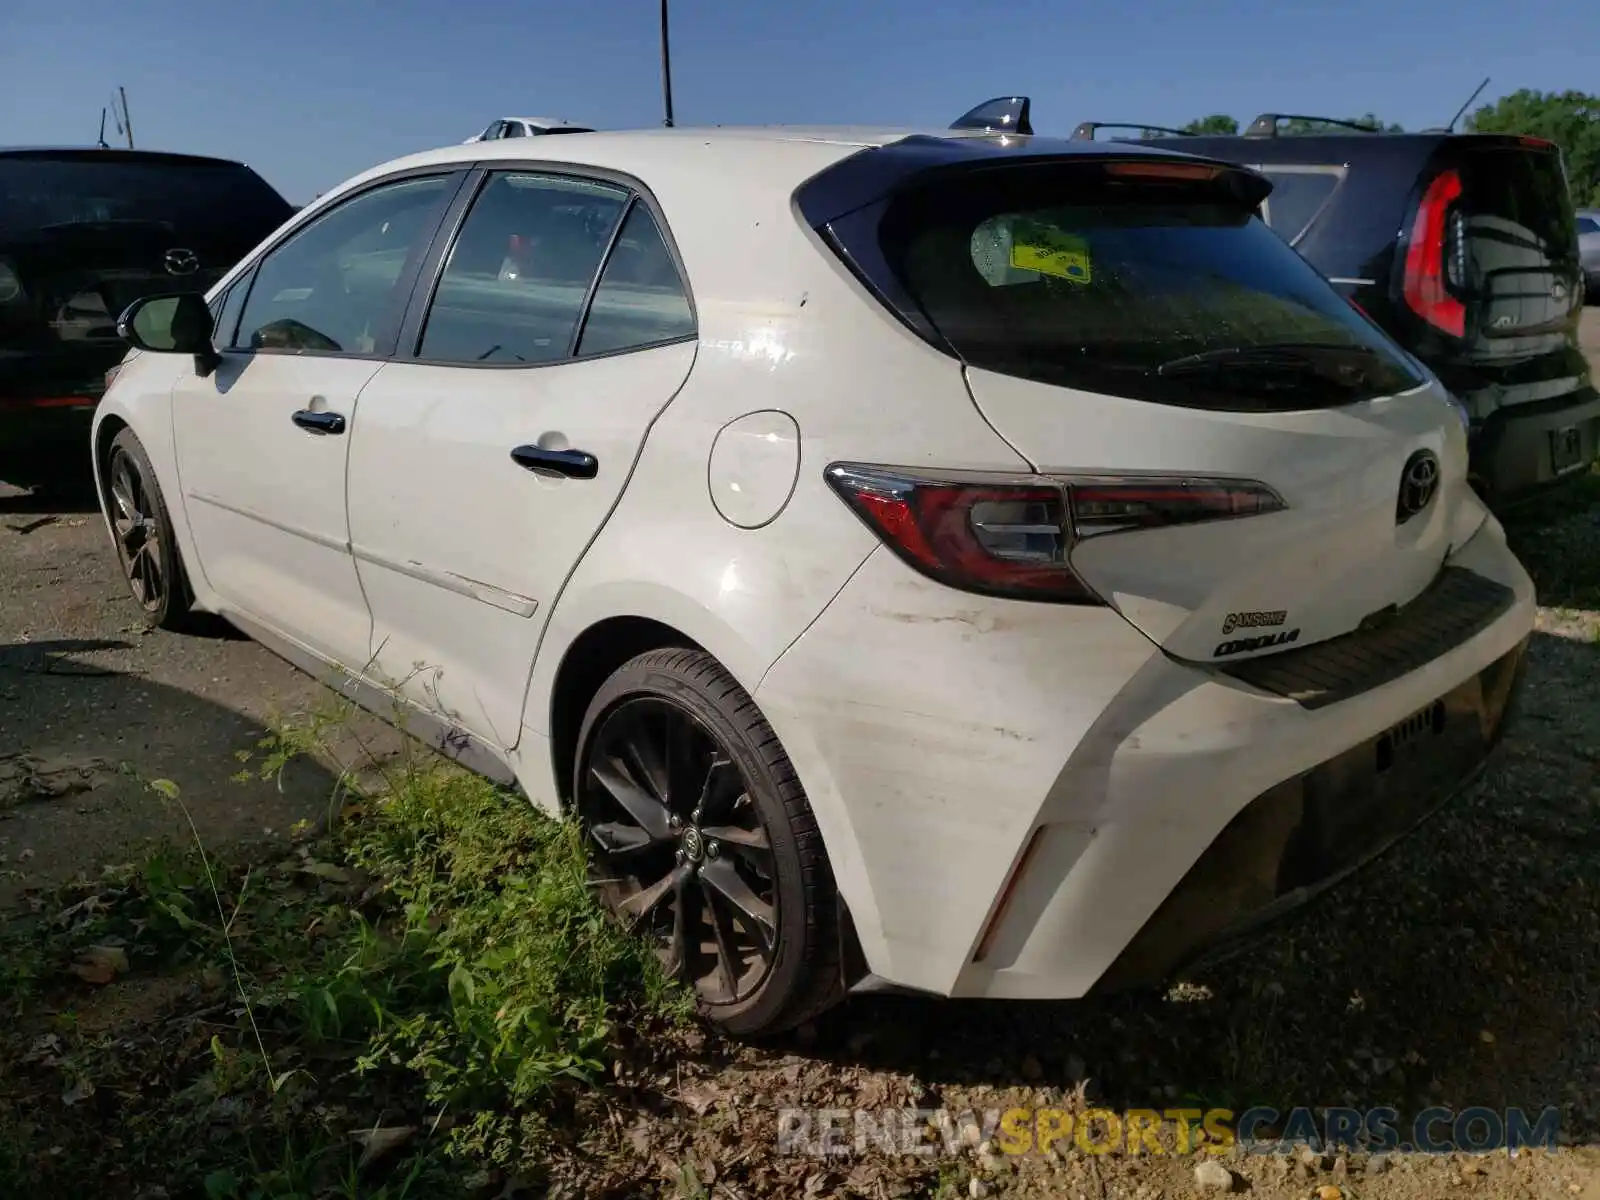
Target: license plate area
[{"x": 1566, "y": 449}]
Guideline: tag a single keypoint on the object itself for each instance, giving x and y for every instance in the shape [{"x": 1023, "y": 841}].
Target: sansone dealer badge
[{"x": 1255, "y": 620}]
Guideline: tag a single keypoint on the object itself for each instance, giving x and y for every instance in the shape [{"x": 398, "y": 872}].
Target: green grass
[{"x": 435, "y": 961}]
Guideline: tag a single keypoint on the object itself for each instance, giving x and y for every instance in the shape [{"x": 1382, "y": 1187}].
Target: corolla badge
[
  {"x": 1419, "y": 480},
  {"x": 180, "y": 262}
]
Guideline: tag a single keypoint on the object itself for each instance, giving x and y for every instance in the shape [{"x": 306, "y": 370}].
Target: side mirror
[{"x": 179, "y": 323}]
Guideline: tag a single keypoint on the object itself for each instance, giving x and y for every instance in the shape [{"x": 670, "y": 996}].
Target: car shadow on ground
[
  {"x": 47, "y": 481},
  {"x": 1459, "y": 969},
  {"x": 80, "y": 739}
]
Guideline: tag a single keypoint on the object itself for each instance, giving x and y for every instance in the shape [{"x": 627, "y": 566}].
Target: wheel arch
[
  {"x": 105, "y": 432},
  {"x": 575, "y": 662},
  {"x": 591, "y": 658}
]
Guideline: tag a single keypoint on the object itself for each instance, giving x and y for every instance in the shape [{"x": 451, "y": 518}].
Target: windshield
[
  {"x": 54, "y": 193},
  {"x": 1064, "y": 277}
]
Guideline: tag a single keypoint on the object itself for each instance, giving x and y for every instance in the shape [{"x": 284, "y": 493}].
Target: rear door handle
[
  {"x": 319, "y": 422},
  {"x": 575, "y": 464}
]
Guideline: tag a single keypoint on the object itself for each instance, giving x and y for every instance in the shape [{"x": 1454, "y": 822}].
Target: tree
[
  {"x": 1569, "y": 119},
  {"x": 1216, "y": 123}
]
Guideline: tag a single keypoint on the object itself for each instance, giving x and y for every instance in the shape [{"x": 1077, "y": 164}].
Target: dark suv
[
  {"x": 83, "y": 233},
  {"x": 1464, "y": 248}
]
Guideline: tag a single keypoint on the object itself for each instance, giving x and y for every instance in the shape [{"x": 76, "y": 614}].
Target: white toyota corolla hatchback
[{"x": 975, "y": 564}]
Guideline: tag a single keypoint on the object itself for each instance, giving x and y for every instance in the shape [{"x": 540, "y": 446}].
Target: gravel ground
[
  {"x": 92, "y": 705},
  {"x": 1462, "y": 970}
]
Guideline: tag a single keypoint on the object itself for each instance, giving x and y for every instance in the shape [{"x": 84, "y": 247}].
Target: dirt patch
[{"x": 93, "y": 708}]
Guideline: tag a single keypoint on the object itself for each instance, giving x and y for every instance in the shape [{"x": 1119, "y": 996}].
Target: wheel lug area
[{"x": 712, "y": 849}]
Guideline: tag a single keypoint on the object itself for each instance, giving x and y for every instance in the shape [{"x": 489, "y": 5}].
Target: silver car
[{"x": 1589, "y": 250}]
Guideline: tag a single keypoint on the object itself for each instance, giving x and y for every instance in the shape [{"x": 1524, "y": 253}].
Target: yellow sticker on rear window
[{"x": 1051, "y": 252}]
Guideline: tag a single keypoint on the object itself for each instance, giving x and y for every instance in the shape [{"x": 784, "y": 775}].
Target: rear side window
[
  {"x": 1588, "y": 225},
  {"x": 1158, "y": 291},
  {"x": 519, "y": 273},
  {"x": 38, "y": 192},
  {"x": 1298, "y": 195},
  {"x": 640, "y": 300}
]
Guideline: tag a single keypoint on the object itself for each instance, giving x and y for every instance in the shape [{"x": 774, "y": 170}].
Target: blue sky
[{"x": 312, "y": 91}]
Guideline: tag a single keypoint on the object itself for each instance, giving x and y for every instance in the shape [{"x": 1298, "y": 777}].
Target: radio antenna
[
  {"x": 126, "y": 119},
  {"x": 1450, "y": 128},
  {"x": 666, "y": 70},
  {"x": 102, "y": 142}
]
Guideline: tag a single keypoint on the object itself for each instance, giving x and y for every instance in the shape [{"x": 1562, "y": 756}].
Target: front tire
[
  {"x": 702, "y": 839},
  {"x": 146, "y": 545}
]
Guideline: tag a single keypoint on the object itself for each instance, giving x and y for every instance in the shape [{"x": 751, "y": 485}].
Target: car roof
[
  {"x": 760, "y": 150},
  {"x": 545, "y": 122},
  {"x": 115, "y": 154},
  {"x": 724, "y": 187}
]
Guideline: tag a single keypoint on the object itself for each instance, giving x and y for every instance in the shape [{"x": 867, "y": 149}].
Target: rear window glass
[
  {"x": 1152, "y": 291},
  {"x": 1521, "y": 196},
  {"x": 1297, "y": 197},
  {"x": 39, "y": 192}
]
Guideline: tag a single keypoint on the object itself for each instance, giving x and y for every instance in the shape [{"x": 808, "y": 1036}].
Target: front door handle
[
  {"x": 319, "y": 422},
  {"x": 575, "y": 464}
]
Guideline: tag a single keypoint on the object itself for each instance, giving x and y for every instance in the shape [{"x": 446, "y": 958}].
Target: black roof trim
[
  {"x": 1086, "y": 130},
  {"x": 870, "y": 174},
  {"x": 115, "y": 154},
  {"x": 1266, "y": 125}
]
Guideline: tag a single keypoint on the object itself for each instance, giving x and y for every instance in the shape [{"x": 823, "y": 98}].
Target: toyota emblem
[
  {"x": 180, "y": 262},
  {"x": 1419, "y": 480}
]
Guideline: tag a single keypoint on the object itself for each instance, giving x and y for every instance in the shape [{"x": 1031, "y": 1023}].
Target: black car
[
  {"x": 1464, "y": 248},
  {"x": 85, "y": 232}
]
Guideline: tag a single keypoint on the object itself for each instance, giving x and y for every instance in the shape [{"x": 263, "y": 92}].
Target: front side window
[
  {"x": 640, "y": 299},
  {"x": 228, "y": 307},
  {"x": 517, "y": 277},
  {"x": 332, "y": 286}
]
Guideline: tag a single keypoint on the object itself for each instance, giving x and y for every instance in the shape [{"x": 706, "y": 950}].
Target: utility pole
[
  {"x": 666, "y": 69},
  {"x": 127, "y": 121}
]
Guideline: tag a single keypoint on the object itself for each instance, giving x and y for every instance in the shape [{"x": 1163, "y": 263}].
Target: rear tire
[
  {"x": 701, "y": 836},
  {"x": 147, "y": 548}
]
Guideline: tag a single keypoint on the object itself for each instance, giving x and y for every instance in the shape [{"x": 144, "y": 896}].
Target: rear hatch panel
[
  {"x": 83, "y": 234},
  {"x": 1139, "y": 319},
  {"x": 1232, "y": 589}
]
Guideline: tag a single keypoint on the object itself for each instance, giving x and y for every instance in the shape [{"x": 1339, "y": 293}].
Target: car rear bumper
[
  {"x": 1029, "y": 801},
  {"x": 49, "y": 398},
  {"x": 1520, "y": 451}
]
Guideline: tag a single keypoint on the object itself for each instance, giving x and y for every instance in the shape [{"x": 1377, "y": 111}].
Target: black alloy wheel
[
  {"x": 146, "y": 546},
  {"x": 702, "y": 841},
  {"x": 681, "y": 847}
]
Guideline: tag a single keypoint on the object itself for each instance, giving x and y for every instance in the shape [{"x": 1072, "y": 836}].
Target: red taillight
[
  {"x": 1424, "y": 285},
  {"x": 1162, "y": 170},
  {"x": 1011, "y": 537}
]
